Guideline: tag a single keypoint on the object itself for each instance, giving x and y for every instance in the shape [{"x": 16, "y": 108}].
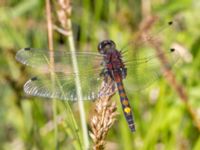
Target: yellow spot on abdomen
[{"x": 127, "y": 110}]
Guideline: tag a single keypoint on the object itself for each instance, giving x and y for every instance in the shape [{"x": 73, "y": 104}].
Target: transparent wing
[
  {"x": 62, "y": 61},
  {"x": 63, "y": 86},
  {"x": 144, "y": 63},
  {"x": 143, "y": 71}
]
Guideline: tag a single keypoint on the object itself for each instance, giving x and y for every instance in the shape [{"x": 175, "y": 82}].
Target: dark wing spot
[
  {"x": 34, "y": 78},
  {"x": 27, "y": 49},
  {"x": 170, "y": 22},
  {"x": 172, "y": 49}
]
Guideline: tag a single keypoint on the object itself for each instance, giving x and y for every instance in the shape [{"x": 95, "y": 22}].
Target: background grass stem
[{"x": 51, "y": 50}]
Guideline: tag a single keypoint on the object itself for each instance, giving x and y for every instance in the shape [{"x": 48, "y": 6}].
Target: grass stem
[
  {"x": 64, "y": 14},
  {"x": 78, "y": 88},
  {"x": 50, "y": 45}
]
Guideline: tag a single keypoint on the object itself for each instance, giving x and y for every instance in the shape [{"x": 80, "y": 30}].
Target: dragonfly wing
[
  {"x": 142, "y": 72},
  {"x": 61, "y": 60},
  {"x": 63, "y": 86}
]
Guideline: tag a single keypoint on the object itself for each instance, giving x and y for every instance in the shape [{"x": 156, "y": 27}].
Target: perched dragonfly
[{"x": 101, "y": 74}]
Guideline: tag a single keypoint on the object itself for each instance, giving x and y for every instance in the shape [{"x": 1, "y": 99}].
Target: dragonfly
[{"x": 101, "y": 74}]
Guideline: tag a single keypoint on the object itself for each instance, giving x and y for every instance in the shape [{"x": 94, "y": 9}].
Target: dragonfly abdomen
[{"x": 126, "y": 106}]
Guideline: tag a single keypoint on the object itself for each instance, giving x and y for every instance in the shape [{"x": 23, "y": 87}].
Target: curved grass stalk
[
  {"x": 79, "y": 90},
  {"x": 51, "y": 63},
  {"x": 63, "y": 13}
]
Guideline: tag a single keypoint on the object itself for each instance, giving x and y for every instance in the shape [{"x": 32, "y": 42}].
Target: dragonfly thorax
[{"x": 112, "y": 59}]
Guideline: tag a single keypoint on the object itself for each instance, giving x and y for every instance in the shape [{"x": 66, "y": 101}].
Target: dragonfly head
[{"x": 105, "y": 46}]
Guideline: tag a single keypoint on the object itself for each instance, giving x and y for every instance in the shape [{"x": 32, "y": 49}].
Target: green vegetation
[{"x": 167, "y": 114}]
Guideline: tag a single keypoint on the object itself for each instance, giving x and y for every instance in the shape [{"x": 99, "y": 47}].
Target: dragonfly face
[
  {"x": 96, "y": 80},
  {"x": 106, "y": 46}
]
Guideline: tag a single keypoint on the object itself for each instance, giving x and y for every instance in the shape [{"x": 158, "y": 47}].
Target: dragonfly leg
[
  {"x": 124, "y": 72},
  {"x": 106, "y": 72}
]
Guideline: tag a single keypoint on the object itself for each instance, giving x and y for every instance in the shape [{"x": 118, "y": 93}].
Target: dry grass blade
[
  {"x": 51, "y": 50},
  {"x": 102, "y": 121}
]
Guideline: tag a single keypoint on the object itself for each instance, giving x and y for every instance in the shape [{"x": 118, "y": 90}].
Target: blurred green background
[{"x": 163, "y": 119}]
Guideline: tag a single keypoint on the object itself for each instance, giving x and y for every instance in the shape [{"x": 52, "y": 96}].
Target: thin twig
[
  {"x": 51, "y": 65},
  {"x": 49, "y": 27}
]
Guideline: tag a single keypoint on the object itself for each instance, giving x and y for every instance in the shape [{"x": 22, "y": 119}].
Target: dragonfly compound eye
[{"x": 105, "y": 45}]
